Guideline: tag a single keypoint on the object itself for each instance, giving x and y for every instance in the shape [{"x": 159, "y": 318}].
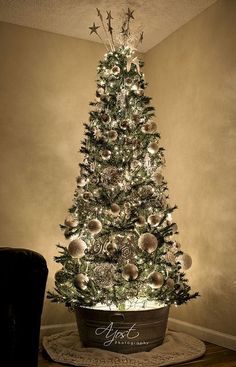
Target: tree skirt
[{"x": 177, "y": 347}]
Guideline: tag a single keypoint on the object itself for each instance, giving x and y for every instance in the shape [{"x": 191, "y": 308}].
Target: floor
[{"x": 215, "y": 356}]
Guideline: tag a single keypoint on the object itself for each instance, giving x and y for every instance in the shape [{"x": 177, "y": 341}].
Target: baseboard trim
[{"x": 209, "y": 335}]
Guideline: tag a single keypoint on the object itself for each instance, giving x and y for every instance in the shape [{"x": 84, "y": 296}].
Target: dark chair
[{"x": 23, "y": 277}]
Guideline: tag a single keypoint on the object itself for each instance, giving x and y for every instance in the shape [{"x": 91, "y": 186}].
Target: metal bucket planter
[{"x": 122, "y": 332}]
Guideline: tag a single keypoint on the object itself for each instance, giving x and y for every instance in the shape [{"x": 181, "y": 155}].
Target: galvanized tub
[{"x": 122, "y": 331}]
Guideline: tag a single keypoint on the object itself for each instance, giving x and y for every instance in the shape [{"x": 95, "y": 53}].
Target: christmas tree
[{"x": 122, "y": 247}]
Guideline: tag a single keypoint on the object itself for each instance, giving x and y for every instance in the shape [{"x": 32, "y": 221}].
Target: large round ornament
[
  {"x": 115, "y": 209},
  {"x": 148, "y": 242},
  {"x": 94, "y": 226},
  {"x": 81, "y": 281},
  {"x": 71, "y": 221},
  {"x": 185, "y": 261},
  {"x": 153, "y": 147},
  {"x": 130, "y": 272},
  {"x": 155, "y": 280},
  {"x": 154, "y": 219},
  {"x": 77, "y": 247},
  {"x": 81, "y": 181}
]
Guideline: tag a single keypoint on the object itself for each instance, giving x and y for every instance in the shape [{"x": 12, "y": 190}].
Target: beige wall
[
  {"x": 192, "y": 79},
  {"x": 46, "y": 83}
]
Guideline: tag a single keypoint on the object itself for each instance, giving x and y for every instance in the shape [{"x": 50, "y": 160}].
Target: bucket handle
[{"x": 117, "y": 316}]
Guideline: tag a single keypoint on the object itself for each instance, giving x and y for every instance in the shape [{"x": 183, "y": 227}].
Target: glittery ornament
[
  {"x": 106, "y": 118},
  {"x": 115, "y": 209},
  {"x": 77, "y": 247},
  {"x": 154, "y": 219},
  {"x": 149, "y": 127},
  {"x": 157, "y": 177},
  {"x": 106, "y": 154},
  {"x": 185, "y": 261},
  {"x": 81, "y": 281},
  {"x": 112, "y": 135},
  {"x": 103, "y": 275},
  {"x": 153, "y": 147},
  {"x": 146, "y": 191},
  {"x": 110, "y": 176},
  {"x": 130, "y": 272},
  {"x": 94, "y": 226},
  {"x": 155, "y": 280},
  {"x": 87, "y": 195},
  {"x": 115, "y": 70},
  {"x": 81, "y": 181},
  {"x": 71, "y": 221},
  {"x": 148, "y": 242},
  {"x": 140, "y": 222},
  {"x": 170, "y": 283}
]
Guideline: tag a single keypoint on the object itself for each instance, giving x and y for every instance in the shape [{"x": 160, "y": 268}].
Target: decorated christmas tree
[{"x": 122, "y": 249}]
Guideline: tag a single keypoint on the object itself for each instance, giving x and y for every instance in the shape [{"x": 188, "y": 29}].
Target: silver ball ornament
[
  {"x": 81, "y": 281},
  {"x": 155, "y": 280},
  {"x": 115, "y": 209},
  {"x": 76, "y": 248},
  {"x": 94, "y": 226},
  {"x": 81, "y": 181},
  {"x": 153, "y": 147},
  {"x": 154, "y": 219},
  {"x": 130, "y": 272},
  {"x": 148, "y": 242}
]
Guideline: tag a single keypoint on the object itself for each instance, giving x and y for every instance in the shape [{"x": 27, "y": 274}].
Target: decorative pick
[
  {"x": 110, "y": 29},
  {"x": 134, "y": 61},
  {"x": 93, "y": 29},
  {"x": 99, "y": 14}
]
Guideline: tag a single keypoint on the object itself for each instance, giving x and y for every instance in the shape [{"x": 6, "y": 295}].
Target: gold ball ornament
[
  {"x": 148, "y": 242},
  {"x": 153, "y": 147},
  {"x": 94, "y": 226},
  {"x": 81, "y": 281},
  {"x": 185, "y": 261},
  {"x": 112, "y": 135},
  {"x": 106, "y": 154},
  {"x": 115, "y": 209},
  {"x": 154, "y": 219},
  {"x": 130, "y": 272},
  {"x": 81, "y": 181},
  {"x": 76, "y": 248},
  {"x": 141, "y": 221},
  {"x": 71, "y": 221},
  {"x": 155, "y": 280}
]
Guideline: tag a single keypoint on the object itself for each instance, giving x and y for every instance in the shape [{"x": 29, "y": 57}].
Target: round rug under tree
[{"x": 177, "y": 347}]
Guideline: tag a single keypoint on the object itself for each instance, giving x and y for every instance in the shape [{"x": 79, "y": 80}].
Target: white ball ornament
[
  {"x": 148, "y": 242},
  {"x": 94, "y": 226},
  {"x": 130, "y": 272},
  {"x": 77, "y": 247},
  {"x": 81, "y": 281},
  {"x": 153, "y": 147},
  {"x": 155, "y": 280},
  {"x": 185, "y": 261},
  {"x": 154, "y": 219}
]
